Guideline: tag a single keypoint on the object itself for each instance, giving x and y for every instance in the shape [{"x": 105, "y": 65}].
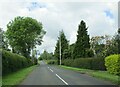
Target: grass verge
[
  {"x": 16, "y": 77},
  {"x": 95, "y": 73}
]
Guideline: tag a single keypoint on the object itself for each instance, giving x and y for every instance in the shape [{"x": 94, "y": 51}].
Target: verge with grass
[
  {"x": 95, "y": 73},
  {"x": 16, "y": 77}
]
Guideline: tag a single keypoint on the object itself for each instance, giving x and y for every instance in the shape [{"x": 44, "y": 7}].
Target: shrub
[
  {"x": 51, "y": 62},
  {"x": 12, "y": 62},
  {"x": 98, "y": 64},
  {"x": 40, "y": 58},
  {"x": 86, "y": 63},
  {"x": 112, "y": 64},
  {"x": 67, "y": 62},
  {"x": 35, "y": 61},
  {"x": 82, "y": 63}
]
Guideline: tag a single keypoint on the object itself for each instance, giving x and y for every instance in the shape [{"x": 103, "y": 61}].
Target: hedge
[
  {"x": 86, "y": 63},
  {"x": 112, "y": 64},
  {"x": 67, "y": 62},
  {"x": 12, "y": 62},
  {"x": 51, "y": 61}
]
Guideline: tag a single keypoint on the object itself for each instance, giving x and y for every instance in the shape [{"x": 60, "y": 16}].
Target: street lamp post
[{"x": 60, "y": 48}]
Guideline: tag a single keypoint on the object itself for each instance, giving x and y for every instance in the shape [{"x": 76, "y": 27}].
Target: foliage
[
  {"x": 118, "y": 40},
  {"x": 71, "y": 49},
  {"x": 35, "y": 61},
  {"x": 12, "y": 62},
  {"x": 52, "y": 62},
  {"x": 57, "y": 52},
  {"x": 104, "y": 46},
  {"x": 82, "y": 44},
  {"x": 23, "y": 33},
  {"x": 15, "y": 78},
  {"x": 67, "y": 62},
  {"x": 111, "y": 47},
  {"x": 64, "y": 45},
  {"x": 87, "y": 63},
  {"x": 90, "y": 53},
  {"x": 112, "y": 64},
  {"x": 3, "y": 40},
  {"x": 40, "y": 58},
  {"x": 66, "y": 54},
  {"x": 46, "y": 56}
]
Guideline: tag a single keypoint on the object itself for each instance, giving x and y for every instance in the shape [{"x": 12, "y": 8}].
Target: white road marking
[
  {"x": 51, "y": 70},
  {"x": 62, "y": 79},
  {"x": 48, "y": 67}
]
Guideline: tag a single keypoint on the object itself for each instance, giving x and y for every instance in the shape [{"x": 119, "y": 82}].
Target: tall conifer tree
[
  {"x": 82, "y": 44},
  {"x": 64, "y": 45}
]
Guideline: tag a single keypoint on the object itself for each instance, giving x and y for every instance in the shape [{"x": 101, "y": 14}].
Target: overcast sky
[{"x": 100, "y": 17}]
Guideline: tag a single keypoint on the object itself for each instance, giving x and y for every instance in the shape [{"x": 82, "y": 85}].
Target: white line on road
[
  {"x": 51, "y": 70},
  {"x": 62, "y": 79},
  {"x": 48, "y": 67}
]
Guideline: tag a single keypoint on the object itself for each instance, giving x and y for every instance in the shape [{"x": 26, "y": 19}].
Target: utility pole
[{"x": 60, "y": 47}]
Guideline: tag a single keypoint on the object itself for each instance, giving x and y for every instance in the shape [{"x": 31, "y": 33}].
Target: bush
[
  {"x": 98, "y": 64},
  {"x": 40, "y": 58},
  {"x": 86, "y": 63},
  {"x": 112, "y": 64},
  {"x": 35, "y": 61},
  {"x": 67, "y": 62},
  {"x": 12, "y": 62},
  {"x": 82, "y": 63},
  {"x": 51, "y": 62}
]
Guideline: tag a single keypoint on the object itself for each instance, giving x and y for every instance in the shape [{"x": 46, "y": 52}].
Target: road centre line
[
  {"x": 51, "y": 70},
  {"x": 62, "y": 79}
]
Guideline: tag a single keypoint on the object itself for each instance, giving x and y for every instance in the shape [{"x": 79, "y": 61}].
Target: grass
[
  {"x": 0, "y": 80},
  {"x": 95, "y": 73},
  {"x": 16, "y": 77}
]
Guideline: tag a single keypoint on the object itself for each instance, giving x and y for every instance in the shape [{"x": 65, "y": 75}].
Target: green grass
[
  {"x": 0, "y": 81},
  {"x": 95, "y": 73},
  {"x": 16, "y": 77}
]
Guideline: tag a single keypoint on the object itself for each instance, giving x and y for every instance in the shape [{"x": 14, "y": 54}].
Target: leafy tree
[
  {"x": 118, "y": 40},
  {"x": 57, "y": 51},
  {"x": 98, "y": 45},
  {"x": 23, "y": 33},
  {"x": 67, "y": 54},
  {"x": 46, "y": 56},
  {"x": 82, "y": 44},
  {"x": 71, "y": 49},
  {"x": 104, "y": 46},
  {"x": 111, "y": 48},
  {"x": 64, "y": 45},
  {"x": 4, "y": 41}
]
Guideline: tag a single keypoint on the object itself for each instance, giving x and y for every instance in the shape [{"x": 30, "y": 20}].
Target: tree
[
  {"x": 118, "y": 40},
  {"x": 23, "y": 33},
  {"x": 56, "y": 52},
  {"x": 46, "y": 56},
  {"x": 104, "y": 46},
  {"x": 64, "y": 45},
  {"x": 98, "y": 45},
  {"x": 82, "y": 44},
  {"x": 67, "y": 54},
  {"x": 4, "y": 44}
]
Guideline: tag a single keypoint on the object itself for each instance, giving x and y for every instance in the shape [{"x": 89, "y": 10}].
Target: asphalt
[{"x": 53, "y": 75}]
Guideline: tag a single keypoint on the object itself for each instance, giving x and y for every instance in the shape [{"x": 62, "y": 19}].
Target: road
[{"x": 53, "y": 75}]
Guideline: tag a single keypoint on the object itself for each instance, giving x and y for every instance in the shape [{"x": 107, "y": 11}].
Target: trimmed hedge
[
  {"x": 12, "y": 62},
  {"x": 86, "y": 63},
  {"x": 52, "y": 62},
  {"x": 112, "y": 64},
  {"x": 67, "y": 62}
]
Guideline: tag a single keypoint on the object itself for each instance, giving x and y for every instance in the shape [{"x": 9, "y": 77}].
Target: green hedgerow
[
  {"x": 12, "y": 62},
  {"x": 112, "y": 64}
]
